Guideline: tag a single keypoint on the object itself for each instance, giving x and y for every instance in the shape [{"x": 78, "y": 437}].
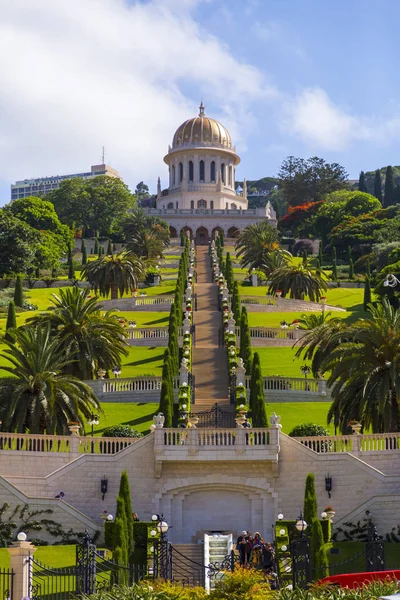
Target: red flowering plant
[{"x": 297, "y": 215}]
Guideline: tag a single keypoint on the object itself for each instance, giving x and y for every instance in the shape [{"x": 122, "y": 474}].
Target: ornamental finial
[{"x": 201, "y": 109}]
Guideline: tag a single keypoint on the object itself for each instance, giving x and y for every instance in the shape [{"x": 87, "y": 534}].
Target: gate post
[
  {"x": 21, "y": 567},
  {"x": 86, "y": 566}
]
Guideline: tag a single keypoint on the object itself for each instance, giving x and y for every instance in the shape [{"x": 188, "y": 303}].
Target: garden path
[{"x": 209, "y": 361}]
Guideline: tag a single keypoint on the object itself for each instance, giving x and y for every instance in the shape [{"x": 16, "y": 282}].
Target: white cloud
[
  {"x": 313, "y": 117},
  {"x": 81, "y": 74}
]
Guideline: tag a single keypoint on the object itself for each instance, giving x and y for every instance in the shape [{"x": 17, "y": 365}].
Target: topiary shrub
[
  {"x": 302, "y": 245},
  {"x": 123, "y": 431},
  {"x": 308, "y": 430}
]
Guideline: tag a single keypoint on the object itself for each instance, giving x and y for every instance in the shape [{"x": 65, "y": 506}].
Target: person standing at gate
[{"x": 240, "y": 547}]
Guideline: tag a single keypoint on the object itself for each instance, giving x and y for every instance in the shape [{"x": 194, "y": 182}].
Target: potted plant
[
  {"x": 356, "y": 426},
  {"x": 330, "y": 512}
]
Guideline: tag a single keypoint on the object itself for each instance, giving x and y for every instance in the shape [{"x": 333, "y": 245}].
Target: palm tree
[
  {"x": 255, "y": 243},
  {"x": 92, "y": 339},
  {"x": 118, "y": 272},
  {"x": 311, "y": 321},
  {"x": 320, "y": 340},
  {"x": 39, "y": 396},
  {"x": 365, "y": 372},
  {"x": 275, "y": 260},
  {"x": 297, "y": 281},
  {"x": 146, "y": 236}
]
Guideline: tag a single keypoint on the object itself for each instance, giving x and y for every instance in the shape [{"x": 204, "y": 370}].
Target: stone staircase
[{"x": 187, "y": 561}]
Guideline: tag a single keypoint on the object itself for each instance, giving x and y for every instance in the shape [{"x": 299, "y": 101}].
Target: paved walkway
[{"x": 209, "y": 362}]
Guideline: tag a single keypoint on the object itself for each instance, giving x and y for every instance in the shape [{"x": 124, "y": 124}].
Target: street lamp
[
  {"x": 116, "y": 371},
  {"x": 301, "y": 525},
  {"x": 93, "y": 420}
]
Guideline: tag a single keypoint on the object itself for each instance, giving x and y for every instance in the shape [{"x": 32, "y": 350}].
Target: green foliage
[
  {"x": 125, "y": 495},
  {"x": 362, "y": 184},
  {"x": 84, "y": 256},
  {"x": 109, "y": 248},
  {"x": 11, "y": 320},
  {"x": 334, "y": 274},
  {"x": 122, "y": 431},
  {"x": 257, "y": 400},
  {"x": 326, "y": 525},
  {"x": 166, "y": 404},
  {"x": 367, "y": 293},
  {"x": 24, "y": 241},
  {"x": 309, "y": 180},
  {"x": 310, "y": 499},
  {"x": 318, "y": 555},
  {"x": 241, "y": 584},
  {"x": 297, "y": 281},
  {"x": 255, "y": 243},
  {"x": 55, "y": 398},
  {"x": 378, "y": 185},
  {"x": 96, "y": 246},
  {"x": 390, "y": 195},
  {"x": 351, "y": 269},
  {"x": 146, "y": 236},
  {"x": 245, "y": 342},
  {"x": 308, "y": 430},
  {"x": 235, "y": 304},
  {"x": 18, "y": 292},
  {"x": 229, "y": 276},
  {"x": 119, "y": 272}
]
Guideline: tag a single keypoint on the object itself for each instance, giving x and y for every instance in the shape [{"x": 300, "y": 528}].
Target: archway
[
  {"x": 187, "y": 229},
  {"x": 173, "y": 232},
  {"x": 217, "y": 230},
  {"x": 202, "y": 236},
  {"x": 233, "y": 232}
]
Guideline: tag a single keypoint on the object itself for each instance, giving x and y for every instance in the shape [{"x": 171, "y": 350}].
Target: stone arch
[
  {"x": 185, "y": 504},
  {"x": 186, "y": 229},
  {"x": 217, "y": 229},
  {"x": 202, "y": 203},
  {"x": 173, "y": 232},
  {"x": 233, "y": 206},
  {"x": 170, "y": 205},
  {"x": 233, "y": 232},
  {"x": 202, "y": 236}
]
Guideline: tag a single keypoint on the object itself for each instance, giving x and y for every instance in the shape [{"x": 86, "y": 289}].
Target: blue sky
[{"x": 301, "y": 77}]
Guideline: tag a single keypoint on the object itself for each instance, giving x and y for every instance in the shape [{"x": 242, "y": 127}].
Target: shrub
[
  {"x": 308, "y": 430},
  {"x": 310, "y": 500},
  {"x": 123, "y": 431},
  {"x": 243, "y": 584},
  {"x": 18, "y": 292},
  {"x": 302, "y": 245}
]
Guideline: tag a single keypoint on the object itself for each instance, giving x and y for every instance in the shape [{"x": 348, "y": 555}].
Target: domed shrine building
[{"x": 201, "y": 196}]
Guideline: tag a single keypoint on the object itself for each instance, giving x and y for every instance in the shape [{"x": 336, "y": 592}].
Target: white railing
[
  {"x": 131, "y": 384},
  {"x": 290, "y": 384},
  {"x": 147, "y": 333},
  {"x": 376, "y": 442},
  {"x": 273, "y": 333},
  {"x": 152, "y": 300},
  {"x": 25, "y": 442},
  {"x": 216, "y": 438}
]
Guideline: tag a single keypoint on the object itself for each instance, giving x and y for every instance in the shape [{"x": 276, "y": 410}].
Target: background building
[{"x": 44, "y": 185}]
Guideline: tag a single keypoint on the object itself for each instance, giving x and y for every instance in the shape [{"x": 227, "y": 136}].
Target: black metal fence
[
  {"x": 6, "y": 584},
  {"x": 50, "y": 582}
]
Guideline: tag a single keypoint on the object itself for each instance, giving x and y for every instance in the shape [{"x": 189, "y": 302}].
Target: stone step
[{"x": 186, "y": 564}]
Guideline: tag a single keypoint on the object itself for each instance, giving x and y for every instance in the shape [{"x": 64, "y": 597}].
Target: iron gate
[
  {"x": 192, "y": 573},
  {"x": 52, "y": 582},
  {"x": 6, "y": 584},
  {"x": 216, "y": 417}
]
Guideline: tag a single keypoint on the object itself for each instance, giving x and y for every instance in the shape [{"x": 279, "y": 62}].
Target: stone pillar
[
  {"x": 183, "y": 374},
  {"x": 240, "y": 373},
  {"x": 254, "y": 280},
  {"x": 19, "y": 563},
  {"x": 322, "y": 386}
]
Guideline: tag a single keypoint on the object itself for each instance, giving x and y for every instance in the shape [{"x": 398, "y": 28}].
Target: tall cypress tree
[
  {"x": 334, "y": 257},
  {"x": 11, "y": 320},
  {"x": 320, "y": 255},
  {"x": 84, "y": 256},
  {"x": 82, "y": 245},
  {"x": 378, "y": 185},
  {"x": 166, "y": 404},
  {"x": 317, "y": 267},
  {"x": 257, "y": 401},
  {"x": 368, "y": 269},
  {"x": 390, "y": 188},
  {"x": 362, "y": 184},
  {"x": 114, "y": 247},
  {"x": 351, "y": 269},
  {"x": 125, "y": 494},
  {"x": 245, "y": 342},
  {"x": 96, "y": 246},
  {"x": 235, "y": 305},
  {"x": 310, "y": 499},
  {"x": 334, "y": 270},
  {"x": 18, "y": 293},
  {"x": 367, "y": 293},
  {"x": 317, "y": 542},
  {"x": 109, "y": 248}
]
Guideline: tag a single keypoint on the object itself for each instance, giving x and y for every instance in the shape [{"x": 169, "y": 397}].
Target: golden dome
[{"x": 202, "y": 131}]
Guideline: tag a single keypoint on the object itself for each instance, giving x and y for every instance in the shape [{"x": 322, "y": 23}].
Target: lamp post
[
  {"x": 162, "y": 549},
  {"x": 93, "y": 420},
  {"x": 391, "y": 281},
  {"x": 301, "y": 556}
]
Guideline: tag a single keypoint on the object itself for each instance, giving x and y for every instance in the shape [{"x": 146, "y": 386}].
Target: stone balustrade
[
  {"x": 292, "y": 389},
  {"x": 130, "y": 389},
  {"x": 140, "y": 303},
  {"x": 151, "y": 336},
  {"x": 216, "y": 444},
  {"x": 75, "y": 444},
  {"x": 275, "y": 304},
  {"x": 273, "y": 336},
  {"x": 375, "y": 442}
]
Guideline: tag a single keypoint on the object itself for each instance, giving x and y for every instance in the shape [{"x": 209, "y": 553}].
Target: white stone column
[{"x": 19, "y": 564}]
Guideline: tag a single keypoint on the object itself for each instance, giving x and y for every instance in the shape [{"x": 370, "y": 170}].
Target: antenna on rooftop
[{"x": 103, "y": 156}]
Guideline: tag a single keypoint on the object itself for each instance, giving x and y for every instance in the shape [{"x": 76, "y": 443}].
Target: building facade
[
  {"x": 44, "y": 185},
  {"x": 201, "y": 196}
]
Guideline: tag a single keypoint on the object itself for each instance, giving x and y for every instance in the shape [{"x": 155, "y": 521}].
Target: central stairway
[{"x": 209, "y": 366}]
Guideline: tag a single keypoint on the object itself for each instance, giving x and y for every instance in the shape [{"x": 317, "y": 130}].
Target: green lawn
[
  {"x": 52, "y": 556},
  {"x": 279, "y": 360},
  {"x": 139, "y": 415},
  {"x": 273, "y": 319},
  {"x": 142, "y": 361},
  {"x": 295, "y": 413}
]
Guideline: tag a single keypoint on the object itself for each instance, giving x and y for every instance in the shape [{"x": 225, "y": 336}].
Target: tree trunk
[{"x": 114, "y": 291}]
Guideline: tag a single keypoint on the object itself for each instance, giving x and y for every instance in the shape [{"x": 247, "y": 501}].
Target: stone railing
[
  {"x": 273, "y": 336},
  {"x": 151, "y": 336},
  {"x": 276, "y": 304},
  {"x": 376, "y": 442},
  {"x": 152, "y": 300},
  {"x": 24, "y": 442},
  {"x": 216, "y": 444},
  {"x": 130, "y": 389},
  {"x": 291, "y": 389}
]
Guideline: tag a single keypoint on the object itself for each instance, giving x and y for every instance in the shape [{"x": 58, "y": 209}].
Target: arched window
[
  {"x": 192, "y": 204},
  {"x": 180, "y": 172},
  {"x": 201, "y": 204},
  {"x": 190, "y": 170},
  {"x": 173, "y": 174},
  {"x": 202, "y": 170},
  {"x": 212, "y": 171},
  {"x": 223, "y": 172},
  {"x": 230, "y": 176},
  {"x": 176, "y": 204},
  {"x": 170, "y": 205},
  {"x": 212, "y": 204},
  {"x": 233, "y": 207}
]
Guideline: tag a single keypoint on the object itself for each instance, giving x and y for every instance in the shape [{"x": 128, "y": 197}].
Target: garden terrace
[
  {"x": 376, "y": 442},
  {"x": 272, "y": 336},
  {"x": 134, "y": 389},
  {"x": 71, "y": 444},
  {"x": 292, "y": 389}
]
